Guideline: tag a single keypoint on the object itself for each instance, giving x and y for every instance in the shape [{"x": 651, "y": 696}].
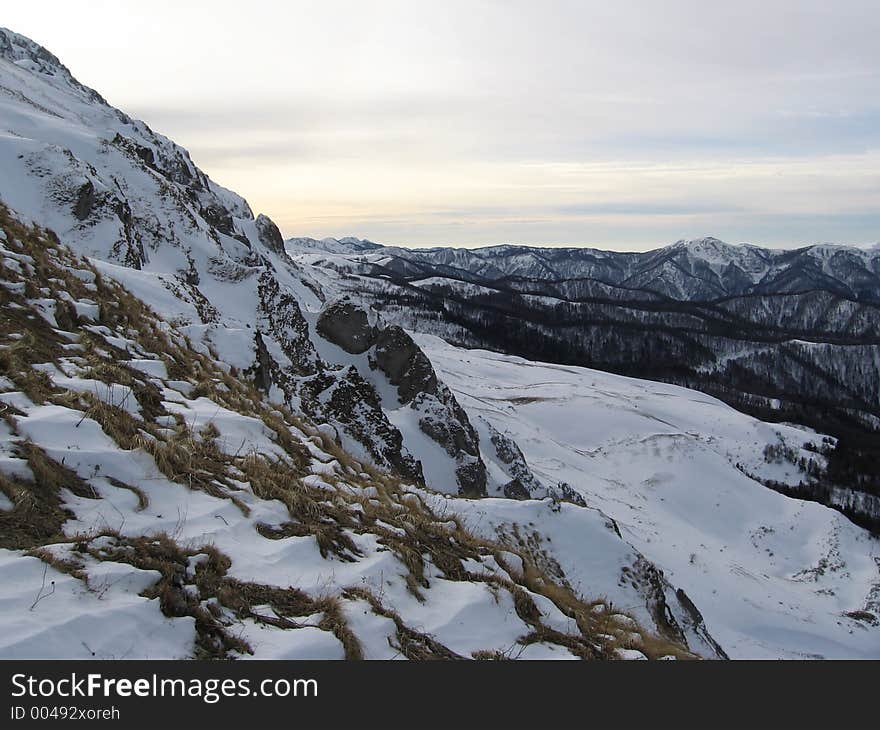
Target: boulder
[
  {"x": 269, "y": 234},
  {"x": 348, "y": 326}
]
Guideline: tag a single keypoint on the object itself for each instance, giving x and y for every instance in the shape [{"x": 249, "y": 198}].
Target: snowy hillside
[
  {"x": 773, "y": 576},
  {"x": 155, "y": 505},
  {"x": 212, "y": 448},
  {"x": 782, "y": 335},
  {"x": 190, "y": 470}
]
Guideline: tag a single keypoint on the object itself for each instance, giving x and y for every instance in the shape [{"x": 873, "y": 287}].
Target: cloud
[{"x": 575, "y": 121}]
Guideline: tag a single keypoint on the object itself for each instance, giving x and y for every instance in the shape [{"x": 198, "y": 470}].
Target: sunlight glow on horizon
[{"x": 476, "y": 123}]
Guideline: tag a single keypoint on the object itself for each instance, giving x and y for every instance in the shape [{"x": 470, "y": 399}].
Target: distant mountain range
[
  {"x": 787, "y": 335},
  {"x": 704, "y": 269}
]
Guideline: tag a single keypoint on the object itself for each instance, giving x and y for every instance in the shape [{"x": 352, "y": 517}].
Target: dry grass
[
  {"x": 36, "y": 518},
  {"x": 69, "y": 566},
  {"x": 143, "y": 499}
]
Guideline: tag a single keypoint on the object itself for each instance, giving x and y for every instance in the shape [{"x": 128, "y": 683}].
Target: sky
[{"x": 623, "y": 124}]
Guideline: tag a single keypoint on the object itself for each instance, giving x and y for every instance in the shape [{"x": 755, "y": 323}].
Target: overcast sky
[{"x": 616, "y": 124}]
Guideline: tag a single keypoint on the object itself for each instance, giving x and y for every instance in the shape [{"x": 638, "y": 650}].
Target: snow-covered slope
[
  {"x": 114, "y": 190},
  {"x": 156, "y": 505},
  {"x": 782, "y": 335},
  {"x": 773, "y": 576}
]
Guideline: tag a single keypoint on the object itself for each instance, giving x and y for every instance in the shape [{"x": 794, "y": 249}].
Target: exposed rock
[
  {"x": 698, "y": 624},
  {"x": 269, "y": 234},
  {"x": 514, "y": 489},
  {"x": 564, "y": 492},
  {"x": 471, "y": 476},
  {"x": 85, "y": 200},
  {"x": 284, "y": 322},
  {"x": 176, "y": 167},
  {"x": 354, "y": 329},
  {"x": 510, "y": 455},
  {"x": 262, "y": 368},
  {"x": 144, "y": 154},
  {"x": 442, "y": 418},
  {"x": 345, "y": 324},
  {"x": 347, "y": 399},
  {"x": 446, "y": 422},
  {"x": 404, "y": 363},
  {"x": 218, "y": 217}
]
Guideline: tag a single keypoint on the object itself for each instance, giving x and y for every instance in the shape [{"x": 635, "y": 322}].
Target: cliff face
[{"x": 391, "y": 351}]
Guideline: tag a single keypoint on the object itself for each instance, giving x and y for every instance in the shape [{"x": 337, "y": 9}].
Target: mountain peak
[
  {"x": 31, "y": 56},
  {"x": 28, "y": 54},
  {"x": 345, "y": 245},
  {"x": 702, "y": 244}
]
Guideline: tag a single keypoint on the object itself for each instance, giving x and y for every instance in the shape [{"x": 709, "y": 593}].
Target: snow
[
  {"x": 305, "y": 643},
  {"x": 71, "y": 622},
  {"x": 772, "y": 576}
]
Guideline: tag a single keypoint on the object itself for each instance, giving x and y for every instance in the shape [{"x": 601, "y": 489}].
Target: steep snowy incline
[
  {"x": 773, "y": 576},
  {"x": 154, "y": 505},
  {"x": 212, "y": 451},
  {"x": 132, "y": 200}
]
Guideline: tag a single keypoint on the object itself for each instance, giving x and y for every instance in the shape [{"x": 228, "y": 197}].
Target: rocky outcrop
[
  {"x": 514, "y": 489},
  {"x": 444, "y": 420},
  {"x": 345, "y": 398},
  {"x": 405, "y": 365},
  {"x": 441, "y": 416},
  {"x": 348, "y": 326},
  {"x": 218, "y": 217},
  {"x": 524, "y": 483},
  {"x": 283, "y": 320},
  {"x": 269, "y": 234},
  {"x": 564, "y": 492},
  {"x": 391, "y": 351},
  {"x": 85, "y": 200},
  {"x": 697, "y": 624},
  {"x": 262, "y": 370}
]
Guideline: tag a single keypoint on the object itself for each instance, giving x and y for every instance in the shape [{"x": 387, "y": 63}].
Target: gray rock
[
  {"x": 511, "y": 456},
  {"x": 514, "y": 489},
  {"x": 471, "y": 477},
  {"x": 261, "y": 371},
  {"x": 345, "y": 398},
  {"x": 86, "y": 197},
  {"x": 351, "y": 327},
  {"x": 405, "y": 365},
  {"x": 282, "y": 319},
  {"x": 345, "y": 324},
  {"x": 269, "y": 234},
  {"x": 442, "y": 418},
  {"x": 218, "y": 217},
  {"x": 566, "y": 493}
]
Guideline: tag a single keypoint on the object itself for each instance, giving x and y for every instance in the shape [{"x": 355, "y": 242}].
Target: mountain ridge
[{"x": 733, "y": 269}]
